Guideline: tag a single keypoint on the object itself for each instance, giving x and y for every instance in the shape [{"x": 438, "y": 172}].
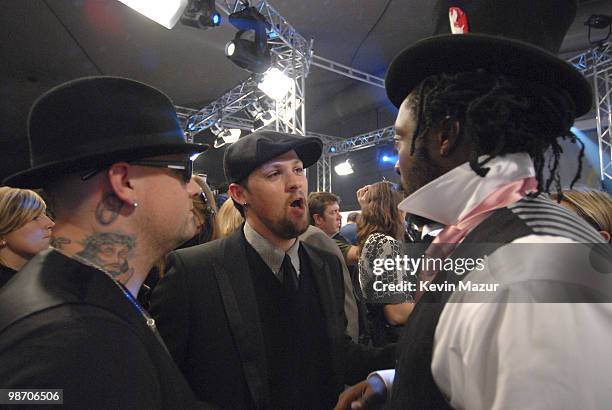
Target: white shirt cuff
[{"x": 387, "y": 377}]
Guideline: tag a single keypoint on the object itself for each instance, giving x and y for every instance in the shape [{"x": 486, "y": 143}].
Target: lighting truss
[
  {"x": 595, "y": 60},
  {"x": 324, "y": 172},
  {"x": 347, "y": 71},
  {"x": 597, "y": 64},
  {"x": 291, "y": 54},
  {"x": 327, "y": 140},
  {"x": 324, "y": 169},
  {"x": 236, "y": 99},
  {"x": 236, "y": 120},
  {"x": 366, "y": 140},
  {"x": 338, "y": 146}
]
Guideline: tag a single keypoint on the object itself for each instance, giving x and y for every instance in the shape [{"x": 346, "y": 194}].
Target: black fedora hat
[
  {"x": 255, "y": 149},
  {"x": 95, "y": 121},
  {"x": 518, "y": 38}
]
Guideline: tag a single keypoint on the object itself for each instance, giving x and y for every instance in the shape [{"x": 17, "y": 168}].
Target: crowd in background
[
  {"x": 133, "y": 285},
  {"x": 378, "y": 230}
]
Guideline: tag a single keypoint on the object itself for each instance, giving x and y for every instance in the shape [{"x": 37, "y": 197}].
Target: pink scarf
[{"x": 449, "y": 237}]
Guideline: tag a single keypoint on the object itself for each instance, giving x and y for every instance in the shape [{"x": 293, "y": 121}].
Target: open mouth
[{"x": 298, "y": 203}]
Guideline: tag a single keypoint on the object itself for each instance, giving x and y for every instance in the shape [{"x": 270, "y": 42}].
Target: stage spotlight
[
  {"x": 201, "y": 14},
  {"x": 275, "y": 84},
  {"x": 386, "y": 156},
  {"x": 252, "y": 54},
  {"x": 216, "y": 128},
  {"x": 600, "y": 22},
  {"x": 344, "y": 168},
  {"x": 164, "y": 12},
  {"x": 260, "y": 117},
  {"x": 245, "y": 54},
  {"x": 263, "y": 119},
  {"x": 388, "y": 159},
  {"x": 227, "y": 136},
  {"x": 249, "y": 19},
  {"x": 332, "y": 150}
]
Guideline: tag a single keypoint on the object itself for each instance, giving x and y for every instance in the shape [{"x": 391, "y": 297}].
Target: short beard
[{"x": 288, "y": 230}]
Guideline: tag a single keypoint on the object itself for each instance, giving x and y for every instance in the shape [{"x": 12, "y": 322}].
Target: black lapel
[
  {"x": 53, "y": 279},
  {"x": 322, "y": 274},
  {"x": 238, "y": 295}
]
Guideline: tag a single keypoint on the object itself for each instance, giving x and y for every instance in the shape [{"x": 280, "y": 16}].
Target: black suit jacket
[
  {"x": 206, "y": 311},
  {"x": 65, "y": 325}
]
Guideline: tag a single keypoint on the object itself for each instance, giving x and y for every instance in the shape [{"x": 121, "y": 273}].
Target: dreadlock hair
[{"x": 499, "y": 115}]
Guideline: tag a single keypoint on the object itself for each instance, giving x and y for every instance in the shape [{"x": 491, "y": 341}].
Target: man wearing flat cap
[
  {"x": 478, "y": 111},
  {"x": 112, "y": 157},
  {"x": 256, "y": 320}
]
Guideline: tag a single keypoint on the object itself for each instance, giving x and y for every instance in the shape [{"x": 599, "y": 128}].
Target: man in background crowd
[
  {"x": 324, "y": 209},
  {"x": 349, "y": 231}
]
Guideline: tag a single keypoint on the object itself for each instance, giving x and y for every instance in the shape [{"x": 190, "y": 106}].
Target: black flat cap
[
  {"x": 255, "y": 149},
  {"x": 95, "y": 121}
]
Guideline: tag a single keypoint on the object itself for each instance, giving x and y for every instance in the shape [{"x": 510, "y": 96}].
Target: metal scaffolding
[
  {"x": 347, "y": 71},
  {"x": 333, "y": 147},
  {"x": 597, "y": 63},
  {"x": 362, "y": 141},
  {"x": 291, "y": 54},
  {"x": 324, "y": 173}
]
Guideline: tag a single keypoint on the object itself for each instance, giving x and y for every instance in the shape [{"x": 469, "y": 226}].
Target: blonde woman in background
[
  {"x": 595, "y": 207},
  {"x": 229, "y": 219},
  {"x": 25, "y": 229}
]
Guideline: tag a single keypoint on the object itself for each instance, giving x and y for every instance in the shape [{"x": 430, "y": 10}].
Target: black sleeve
[
  {"x": 170, "y": 308},
  {"x": 99, "y": 362},
  {"x": 360, "y": 360}
]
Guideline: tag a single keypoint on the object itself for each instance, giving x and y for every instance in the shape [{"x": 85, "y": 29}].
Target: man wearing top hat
[
  {"x": 478, "y": 109},
  {"x": 112, "y": 157},
  {"x": 256, "y": 320}
]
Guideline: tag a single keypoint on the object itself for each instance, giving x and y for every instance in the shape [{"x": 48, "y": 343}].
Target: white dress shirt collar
[{"x": 448, "y": 198}]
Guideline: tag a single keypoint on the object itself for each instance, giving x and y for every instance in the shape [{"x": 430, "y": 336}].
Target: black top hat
[
  {"x": 255, "y": 149},
  {"x": 96, "y": 121},
  {"x": 518, "y": 38}
]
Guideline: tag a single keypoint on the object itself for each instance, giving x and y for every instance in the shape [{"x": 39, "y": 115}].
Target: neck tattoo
[{"x": 149, "y": 320}]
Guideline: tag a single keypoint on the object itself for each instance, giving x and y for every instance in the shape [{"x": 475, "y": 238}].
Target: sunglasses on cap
[{"x": 184, "y": 168}]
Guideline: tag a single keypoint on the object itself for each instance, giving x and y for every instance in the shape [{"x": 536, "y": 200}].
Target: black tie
[{"x": 289, "y": 275}]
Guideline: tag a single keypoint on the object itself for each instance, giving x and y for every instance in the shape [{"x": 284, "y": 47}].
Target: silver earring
[
  {"x": 245, "y": 205},
  {"x": 135, "y": 204}
]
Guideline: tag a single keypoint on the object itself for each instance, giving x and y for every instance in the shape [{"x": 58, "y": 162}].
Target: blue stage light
[{"x": 389, "y": 159}]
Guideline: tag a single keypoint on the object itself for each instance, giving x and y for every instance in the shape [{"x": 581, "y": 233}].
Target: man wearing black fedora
[
  {"x": 478, "y": 110},
  {"x": 113, "y": 159},
  {"x": 256, "y": 320}
]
